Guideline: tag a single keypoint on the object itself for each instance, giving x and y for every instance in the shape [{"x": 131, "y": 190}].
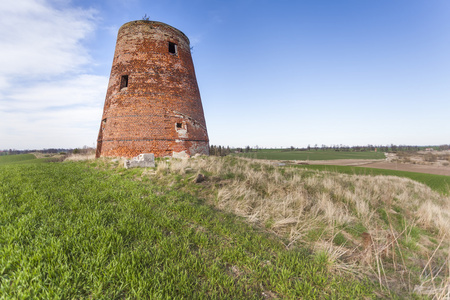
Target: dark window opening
[
  {"x": 172, "y": 48},
  {"x": 179, "y": 125},
  {"x": 124, "y": 81}
]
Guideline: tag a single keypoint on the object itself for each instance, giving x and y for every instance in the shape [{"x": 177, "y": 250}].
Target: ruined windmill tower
[{"x": 153, "y": 103}]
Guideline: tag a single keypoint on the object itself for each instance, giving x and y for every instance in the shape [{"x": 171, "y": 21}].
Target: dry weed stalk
[{"x": 438, "y": 291}]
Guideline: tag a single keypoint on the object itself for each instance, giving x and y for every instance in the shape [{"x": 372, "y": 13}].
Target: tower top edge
[{"x": 155, "y": 23}]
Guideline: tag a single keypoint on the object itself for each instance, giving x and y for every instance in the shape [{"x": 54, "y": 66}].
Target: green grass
[
  {"x": 21, "y": 159},
  {"x": 280, "y": 154},
  {"x": 439, "y": 183},
  {"x": 78, "y": 230}
]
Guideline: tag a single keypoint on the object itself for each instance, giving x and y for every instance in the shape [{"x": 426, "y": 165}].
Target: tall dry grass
[
  {"x": 296, "y": 199},
  {"x": 367, "y": 220},
  {"x": 80, "y": 157}
]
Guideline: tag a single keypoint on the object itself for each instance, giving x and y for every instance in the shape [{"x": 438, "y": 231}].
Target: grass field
[
  {"x": 25, "y": 159},
  {"x": 93, "y": 230},
  {"x": 439, "y": 183},
  {"x": 18, "y": 159},
  {"x": 284, "y": 154}
]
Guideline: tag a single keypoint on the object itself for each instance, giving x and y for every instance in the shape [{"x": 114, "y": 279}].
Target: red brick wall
[{"x": 160, "y": 111}]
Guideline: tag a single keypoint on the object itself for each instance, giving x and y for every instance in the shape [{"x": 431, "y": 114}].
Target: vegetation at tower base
[
  {"x": 153, "y": 103},
  {"x": 93, "y": 229}
]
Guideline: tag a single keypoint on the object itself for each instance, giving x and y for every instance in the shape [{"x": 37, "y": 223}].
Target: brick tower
[{"x": 153, "y": 103}]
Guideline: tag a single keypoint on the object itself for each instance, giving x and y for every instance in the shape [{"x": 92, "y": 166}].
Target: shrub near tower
[{"x": 153, "y": 103}]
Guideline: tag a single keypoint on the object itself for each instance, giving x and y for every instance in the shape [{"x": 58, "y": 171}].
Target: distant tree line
[
  {"x": 222, "y": 150},
  {"x": 226, "y": 150},
  {"x": 83, "y": 150},
  {"x": 380, "y": 148},
  {"x": 219, "y": 150}
]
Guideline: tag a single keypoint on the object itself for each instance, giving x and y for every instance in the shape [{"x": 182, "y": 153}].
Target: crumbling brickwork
[{"x": 153, "y": 103}]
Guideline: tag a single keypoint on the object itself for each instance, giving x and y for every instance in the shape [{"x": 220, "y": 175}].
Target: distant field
[
  {"x": 439, "y": 183},
  {"x": 283, "y": 154},
  {"x": 14, "y": 159},
  {"x": 23, "y": 159}
]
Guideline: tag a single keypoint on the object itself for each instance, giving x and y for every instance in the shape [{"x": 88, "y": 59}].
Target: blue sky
[{"x": 271, "y": 73}]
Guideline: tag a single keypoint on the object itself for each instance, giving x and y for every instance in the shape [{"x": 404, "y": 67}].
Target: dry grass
[
  {"x": 80, "y": 157},
  {"x": 383, "y": 225},
  {"x": 296, "y": 199},
  {"x": 435, "y": 158}
]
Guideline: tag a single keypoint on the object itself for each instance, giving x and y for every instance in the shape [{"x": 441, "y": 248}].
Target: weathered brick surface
[{"x": 160, "y": 111}]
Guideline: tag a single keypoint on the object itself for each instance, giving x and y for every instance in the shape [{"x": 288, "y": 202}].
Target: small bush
[
  {"x": 429, "y": 157},
  {"x": 339, "y": 239}
]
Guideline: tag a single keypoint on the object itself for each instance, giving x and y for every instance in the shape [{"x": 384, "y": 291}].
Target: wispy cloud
[
  {"x": 39, "y": 40},
  {"x": 46, "y": 100},
  {"x": 81, "y": 90}
]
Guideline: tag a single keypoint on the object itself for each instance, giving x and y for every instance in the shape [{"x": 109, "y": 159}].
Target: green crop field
[
  {"x": 22, "y": 159},
  {"x": 84, "y": 230},
  {"x": 14, "y": 159},
  {"x": 284, "y": 154},
  {"x": 439, "y": 183}
]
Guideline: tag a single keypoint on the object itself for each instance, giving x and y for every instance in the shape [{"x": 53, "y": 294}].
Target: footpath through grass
[
  {"x": 439, "y": 183},
  {"x": 77, "y": 230},
  {"x": 285, "y": 154}
]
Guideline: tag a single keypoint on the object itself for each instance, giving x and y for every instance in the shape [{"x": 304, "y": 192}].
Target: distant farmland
[
  {"x": 285, "y": 154},
  {"x": 438, "y": 183}
]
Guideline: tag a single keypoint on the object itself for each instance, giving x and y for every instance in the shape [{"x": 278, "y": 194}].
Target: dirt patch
[
  {"x": 438, "y": 170},
  {"x": 430, "y": 162},
  {"x": 385, "y": 164}
]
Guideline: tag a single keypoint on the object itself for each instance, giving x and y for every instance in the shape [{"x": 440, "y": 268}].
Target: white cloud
[
  {"x": 63, "y": 113},
  {"x": 80, "y": 90},
  {"x": 46, "y": 98},
  {"x": 3, "y": 84},
  {"x": 39, "y": 40}
]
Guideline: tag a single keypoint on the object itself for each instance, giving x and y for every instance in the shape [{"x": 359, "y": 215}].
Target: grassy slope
[
  {"x": 75, "y": 231},
  {"x": 391, "y": 228},
  {"x": 278, "y": 154},
  {"x": 439, "y": 183}
]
